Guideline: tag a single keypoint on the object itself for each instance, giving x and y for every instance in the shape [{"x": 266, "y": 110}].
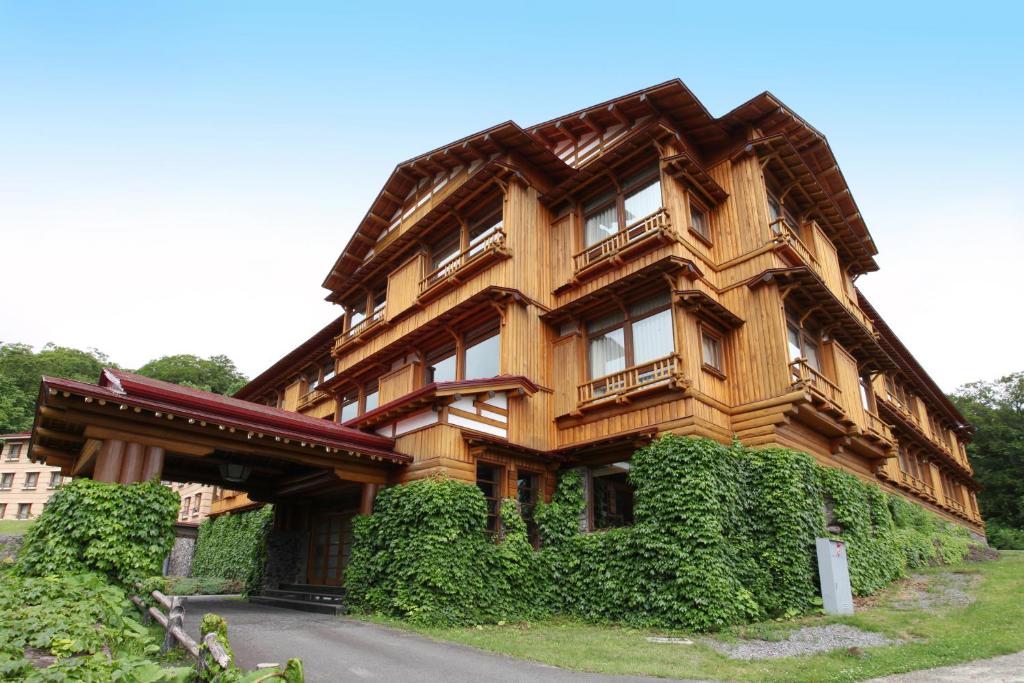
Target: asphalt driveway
[{"x": 340, "y": 649}]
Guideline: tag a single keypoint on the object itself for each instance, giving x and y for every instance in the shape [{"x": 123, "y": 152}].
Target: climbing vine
[
  {"x": 721, "y": 535},
  {"x": 234, "y": 546}
]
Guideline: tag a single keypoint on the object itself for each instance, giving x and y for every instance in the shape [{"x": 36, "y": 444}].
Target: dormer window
[{"x": 638, "y": 197}]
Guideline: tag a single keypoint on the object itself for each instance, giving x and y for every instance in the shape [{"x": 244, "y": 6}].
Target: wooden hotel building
[{"x": 525, "y": 300}]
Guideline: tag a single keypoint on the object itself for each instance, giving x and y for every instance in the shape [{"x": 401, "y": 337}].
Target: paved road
[
  {"x": 339, "y": 649},
  {"x": 1005, "y": 669}
]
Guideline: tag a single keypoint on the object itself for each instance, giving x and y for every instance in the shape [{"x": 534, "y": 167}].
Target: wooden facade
[{"x": 525, "y": 300}]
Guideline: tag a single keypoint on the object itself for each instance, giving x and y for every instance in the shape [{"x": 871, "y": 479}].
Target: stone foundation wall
[
  {"x": 286, "y": 557},
  {"x": 179, "y": 562}
]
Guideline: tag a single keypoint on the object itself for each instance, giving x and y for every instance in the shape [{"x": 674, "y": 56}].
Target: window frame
[
  {"x": 807, "y": 338},
  {"x": 32, "y": 477},
  {"x": 626, "y": 324},
  {"x": 639, "y": 178},
  {"x": 6, "y": 481},
  {"x": 706, "y": 330},
  {"x": 693, "y": 203},
  {"x": 500, "y": 473},
  {"x": 474, "y": 333}
]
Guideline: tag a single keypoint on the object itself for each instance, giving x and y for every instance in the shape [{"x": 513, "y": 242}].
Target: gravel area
[
  {"x": 804, "y": 641},
  {"x": 937, "y": 590}
]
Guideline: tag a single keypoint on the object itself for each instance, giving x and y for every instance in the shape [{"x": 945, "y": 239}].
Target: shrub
[
  {"x": 1005, "y": 538},
  {"x": 234, "y": 547},
  {"x": 121, "y": 530}
]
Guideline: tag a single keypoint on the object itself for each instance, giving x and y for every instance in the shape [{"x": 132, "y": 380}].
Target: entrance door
[{"x": 330, "y": 543}]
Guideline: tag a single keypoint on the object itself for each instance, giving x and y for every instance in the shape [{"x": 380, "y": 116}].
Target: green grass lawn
[
  {"x": 14, "y": 527},
  {"x": 935, "y": 637}
]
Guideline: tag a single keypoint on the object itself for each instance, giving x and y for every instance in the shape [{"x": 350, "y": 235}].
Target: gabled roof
[
  {"x": 478, "y": 147},
  {"x": 186, "y": 403},
  {"x": 294, "y": 361}
]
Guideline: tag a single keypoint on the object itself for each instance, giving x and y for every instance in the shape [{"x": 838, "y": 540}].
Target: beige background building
[
  {"x": 195, "y": 501},
  {"x": 25, "y": 487}
]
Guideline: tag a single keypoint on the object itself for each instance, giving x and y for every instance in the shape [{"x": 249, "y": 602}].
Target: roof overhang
[{"x": 294, "y": 362}]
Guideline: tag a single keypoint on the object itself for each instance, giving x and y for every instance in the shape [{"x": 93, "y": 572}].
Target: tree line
[{"x": 21, "y": 368}]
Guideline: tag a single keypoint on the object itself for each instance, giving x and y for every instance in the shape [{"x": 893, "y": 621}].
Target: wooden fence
[{"x": 173, "y": 624}]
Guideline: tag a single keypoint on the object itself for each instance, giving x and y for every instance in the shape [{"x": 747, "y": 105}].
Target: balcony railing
[
  {"x": 803, "y": 374},
  {"x": 495, "y": 242},
  {"x": 359, "y": 328},
  {"x": 312, "y": 397},
  {"x": 784, "y": 233},
  {"x": 665, "y": 371},
  {"x": 877, "y": 427},
  {"x": 655, "y": 224}
]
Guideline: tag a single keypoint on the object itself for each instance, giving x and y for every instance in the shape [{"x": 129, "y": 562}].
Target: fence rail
[
  {"x": 656, "y": 222},
  {"x": 173, "y": 624}
]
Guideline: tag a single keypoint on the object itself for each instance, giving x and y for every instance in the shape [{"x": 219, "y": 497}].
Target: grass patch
[
  {"x": 938, "y": 636},
  {"x": 14, "y": 527}
]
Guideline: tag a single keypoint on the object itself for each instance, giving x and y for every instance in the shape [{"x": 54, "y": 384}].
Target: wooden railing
[
  {"x": 360, "y": 327},
  {"x": 877, "y": 427},
  {"x": 955, "y": 504},
  {"x": 804, "y": 374},
  {"x": 465, "y": 257},
  {"x": 655, "y": 223},
  {"x": 784, "y": 233},
  {"x": 859, "y": 313},
  {"x": 173, "y": 624},
  {"x": 636, "y": 378},
  {"x": 312, "y": 397}
]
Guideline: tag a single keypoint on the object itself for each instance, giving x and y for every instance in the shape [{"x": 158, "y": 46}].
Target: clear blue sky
[{"x": 179, "y": 176}]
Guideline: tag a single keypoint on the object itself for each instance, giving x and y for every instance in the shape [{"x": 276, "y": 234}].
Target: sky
[{"x": 178, "y": 177}]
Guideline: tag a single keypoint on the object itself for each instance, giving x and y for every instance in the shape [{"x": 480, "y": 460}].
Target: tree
[
  {"x": 21, "y": 370},
  {"x": 997, "y": 452},
  {"x": 216, "y": 373}
]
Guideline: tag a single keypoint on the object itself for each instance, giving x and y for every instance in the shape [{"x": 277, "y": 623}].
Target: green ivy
[
  {"x": 234, "y": 546},
  {"x": 121, "y": 530},
  {"x": 721, "y": 535}
]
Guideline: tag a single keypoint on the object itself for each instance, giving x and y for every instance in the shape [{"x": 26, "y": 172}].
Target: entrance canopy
[{"x": 129, "y": 428}]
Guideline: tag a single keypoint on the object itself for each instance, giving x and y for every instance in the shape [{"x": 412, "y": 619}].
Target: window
[
  {"x": 186, "y": 506},
  {"x": 13, "y": 452},
  {"x": 865, "y": 394},
  {"x": 621, "y": 340},
  {"x": 3, "y": 510},
  {"x": 356, "y": 314},
  {"x": 528, "y": 494},
  {"x": 483, "y": 353},
  {"x": 488, "y": 479},
  {"x": 55, "y": 480},
  {"x": 480, "y": 357},
  {"x": 606, "y": 214},
  {"x": 441, "y": 366},
  {"x": 779, "y": 212},
  {"x": 612, "y": 496},
  {"x": 349, "y": 405},
  {"x": 24, "y": 510},
  {"x": 803, "y": 344},
  {"x": 483, "y": 229},
  {"x": 445, "y": 250},
  {"x": 328, "y": 371},
  {"x": 380, "y": 300},
  {"x": 6, "y": 480},
  {"x": 371, "y": 396},
  {"x": 711, "y": 350},
  {"x": 699, "y": 220},
  {"x": 31, "y": 479},
  {"x": 197, "y": 502}
]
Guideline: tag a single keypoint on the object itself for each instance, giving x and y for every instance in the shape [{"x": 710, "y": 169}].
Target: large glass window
[
  {"x": 483, "y": 353},
  {"x": 356, "y": 314},
  {"x": 349, "y": 405},
  {"x": 488, "y": 479},
  {"x": 619, "y": 340},
  {"x": 607, "y": 213},
  {"x": 803, "y": 344},
  {"x": 483, "y": 227},
  {"x": 371, "y": 396},
  {"x": 612, "y": 496},
  {"x": 441, "y": 366}
]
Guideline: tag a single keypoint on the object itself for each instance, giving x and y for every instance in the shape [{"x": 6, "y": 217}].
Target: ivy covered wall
[
  {"x": 721, "y": 535},
  {"x": 234, "y": 546}
]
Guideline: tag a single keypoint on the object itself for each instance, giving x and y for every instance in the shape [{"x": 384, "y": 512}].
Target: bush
[
  {"x": 234, "y": 547},
  {"x": 1005, "y": 538},
  {"x": 123, "y": 531}
]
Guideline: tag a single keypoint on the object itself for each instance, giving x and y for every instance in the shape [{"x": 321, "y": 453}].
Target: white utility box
[{"x": 834, "y": 573}]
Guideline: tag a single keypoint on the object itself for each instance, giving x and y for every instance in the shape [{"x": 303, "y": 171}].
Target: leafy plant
[
  {"x": 121, "y": 530},
  {"x": 234, "y": 547}
]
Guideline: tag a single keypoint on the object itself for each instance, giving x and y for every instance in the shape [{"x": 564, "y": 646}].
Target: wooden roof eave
[{"x": 701, "y": 304}]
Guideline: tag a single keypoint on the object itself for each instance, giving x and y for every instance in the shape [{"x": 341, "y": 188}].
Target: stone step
[
  {"x": 302, "y": 595},
  {"x": 311, "y": 588},
  {"x": 302, "y": 605}
]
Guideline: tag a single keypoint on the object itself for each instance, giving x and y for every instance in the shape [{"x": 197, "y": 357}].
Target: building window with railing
[
  {"x": 803, "y": 343},
  {"x": 13, "y": 452},
  {"x": 637, "y": 197},
  {"x": 466, "y": 240},
  {"x": 630, "y": 336},
  {"x": 31, "y": 481}
]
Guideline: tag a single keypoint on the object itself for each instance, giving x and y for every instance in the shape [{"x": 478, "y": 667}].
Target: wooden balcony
[
  {"x": 466, "y": 263},
  {"x": 311, "y": 398},
  {"x": 619, "y": 387},
  {"x": 877, "y": 427},
  {"x": 611, "y": 250},
  {"x": 359, "y": 330},
  {"x": 784, "y": 234},
  {"x": 821, "y": 387}
]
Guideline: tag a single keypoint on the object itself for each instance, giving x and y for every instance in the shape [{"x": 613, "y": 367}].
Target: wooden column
[
  {"x": 369, "y": 495},
  {"x": 153, "y": 467},
  {"x": 131, "y": 463},
  {"x": 108, "y": 462}
]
